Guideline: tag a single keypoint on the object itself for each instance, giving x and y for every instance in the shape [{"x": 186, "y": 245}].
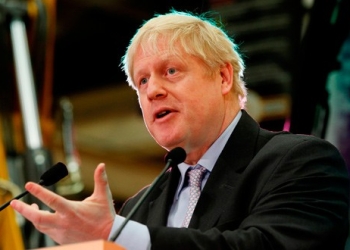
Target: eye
[
  {"x": 143, "y": 81},
  {"x": 171, "y": 71}
]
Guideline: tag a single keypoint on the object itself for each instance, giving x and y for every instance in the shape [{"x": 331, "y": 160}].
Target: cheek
[
  {"x": 142, "y": 102},
  {"x": 143, "y": 107}
]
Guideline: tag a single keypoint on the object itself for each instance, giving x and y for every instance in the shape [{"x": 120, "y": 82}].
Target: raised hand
[{"x": 72, "y": 221}]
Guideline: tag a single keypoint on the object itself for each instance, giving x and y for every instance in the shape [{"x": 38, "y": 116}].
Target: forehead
[
  {"x": 162, "y": 52},
  {"x": 159, "y": 52}
]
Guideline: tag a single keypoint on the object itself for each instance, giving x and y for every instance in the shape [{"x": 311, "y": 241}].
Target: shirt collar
[{"x": 210, "y": 157}]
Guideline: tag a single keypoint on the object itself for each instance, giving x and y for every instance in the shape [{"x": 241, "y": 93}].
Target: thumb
[{"x": 101, "y": 188}]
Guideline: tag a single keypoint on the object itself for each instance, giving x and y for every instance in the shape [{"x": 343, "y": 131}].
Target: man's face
[{"x": 182, "y": 104}]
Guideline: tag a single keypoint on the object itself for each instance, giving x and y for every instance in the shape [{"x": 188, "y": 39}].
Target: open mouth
[{"x": 162, "y": 114}]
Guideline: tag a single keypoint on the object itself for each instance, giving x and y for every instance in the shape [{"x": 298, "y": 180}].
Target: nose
[{"x": 156, "y": 88}]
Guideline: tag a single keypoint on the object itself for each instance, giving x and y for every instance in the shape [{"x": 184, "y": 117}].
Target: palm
[{"x": 72, "y": 221}]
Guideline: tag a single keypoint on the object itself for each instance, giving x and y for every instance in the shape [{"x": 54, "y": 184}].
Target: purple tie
[{"x": 195, "y": 180}]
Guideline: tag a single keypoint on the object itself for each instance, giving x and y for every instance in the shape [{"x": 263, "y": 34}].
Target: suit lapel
[
  {"x": 160, "y": 206},
  {"x": 238, "y": 152}
]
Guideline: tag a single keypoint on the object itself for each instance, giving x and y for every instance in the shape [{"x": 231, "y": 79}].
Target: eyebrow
[{"x": 161, "y": 61}]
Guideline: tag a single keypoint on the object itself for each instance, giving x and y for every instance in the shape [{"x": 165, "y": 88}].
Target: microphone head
[
  {"x": 53, "y": 174},
  {"x": 176, "y": 155}
]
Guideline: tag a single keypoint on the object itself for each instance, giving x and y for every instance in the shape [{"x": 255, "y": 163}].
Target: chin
[
  {"x": 168, "y": 145},
  {"x": 169, "y": 138}
]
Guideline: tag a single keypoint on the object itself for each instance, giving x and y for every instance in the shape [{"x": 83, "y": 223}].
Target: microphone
[
  {"x": 174, "y": 157},
  {"x": 50, "y": 177}
]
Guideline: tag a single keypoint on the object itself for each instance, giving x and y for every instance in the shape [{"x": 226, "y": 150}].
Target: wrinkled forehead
[{"x": 150, "y": 46}]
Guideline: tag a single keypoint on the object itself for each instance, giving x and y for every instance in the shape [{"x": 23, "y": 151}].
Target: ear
[{"x": 226, "y": 73}]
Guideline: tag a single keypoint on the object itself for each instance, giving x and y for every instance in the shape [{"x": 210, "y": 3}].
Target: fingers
[
  {"x": 51, "y": 199},
  {"x": 35, "y": 206},
  {"x": 31, "y": 212},
  {"x": 101, "y": 188}
]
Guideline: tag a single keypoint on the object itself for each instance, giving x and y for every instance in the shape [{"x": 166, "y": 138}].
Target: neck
[{"x": 194, "y": 154}]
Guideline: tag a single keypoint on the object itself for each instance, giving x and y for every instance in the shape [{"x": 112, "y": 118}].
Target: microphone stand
[
  {"x": 140, "y": 201},
  {"x": 37, "y": 159}
]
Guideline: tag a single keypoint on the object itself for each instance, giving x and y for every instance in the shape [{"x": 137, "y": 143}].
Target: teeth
[{"x": 161, "y": 114}]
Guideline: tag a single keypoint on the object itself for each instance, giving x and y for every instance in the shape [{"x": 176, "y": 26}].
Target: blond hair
[{"x": 199, "y": 36}]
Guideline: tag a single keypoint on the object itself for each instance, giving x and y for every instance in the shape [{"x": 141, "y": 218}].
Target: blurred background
[{"x": 69, "y": 101}]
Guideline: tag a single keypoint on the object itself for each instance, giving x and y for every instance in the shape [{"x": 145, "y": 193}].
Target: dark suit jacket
[{"x": 267, "y": 191}]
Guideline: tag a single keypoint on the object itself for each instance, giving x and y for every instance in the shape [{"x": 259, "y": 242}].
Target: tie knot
[{"x": 195, "y": 176}]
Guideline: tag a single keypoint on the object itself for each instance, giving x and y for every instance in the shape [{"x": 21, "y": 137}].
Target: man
[{"x": 260, "y": 190}]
